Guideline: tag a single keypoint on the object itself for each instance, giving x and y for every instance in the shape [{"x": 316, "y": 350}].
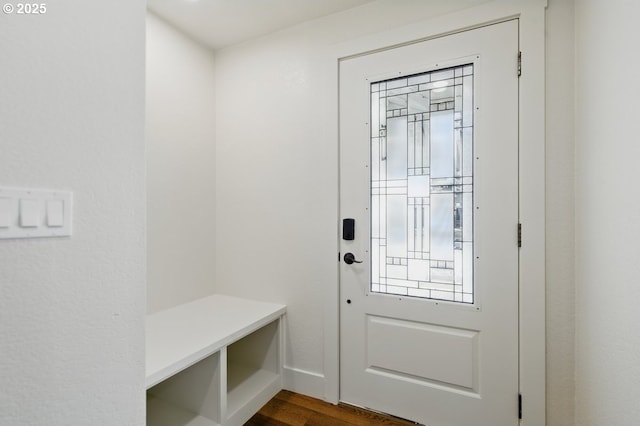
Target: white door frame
[{"x": 531, "y": 162}]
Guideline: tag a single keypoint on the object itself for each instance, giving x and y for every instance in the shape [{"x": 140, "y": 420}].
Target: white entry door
[{"x": 429, "y": 177}]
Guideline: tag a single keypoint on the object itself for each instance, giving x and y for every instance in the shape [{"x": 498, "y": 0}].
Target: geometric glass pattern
[{"x": 422, "y": 185}]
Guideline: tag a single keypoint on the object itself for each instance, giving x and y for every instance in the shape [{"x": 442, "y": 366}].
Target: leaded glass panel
[{"x": 422, "y": 185}]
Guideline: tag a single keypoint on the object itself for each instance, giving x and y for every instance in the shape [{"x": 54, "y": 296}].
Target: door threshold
[{"x": 382, "y": 414}]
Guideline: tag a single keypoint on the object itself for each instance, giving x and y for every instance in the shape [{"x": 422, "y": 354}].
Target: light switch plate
[{"x": 35, "y": 213}]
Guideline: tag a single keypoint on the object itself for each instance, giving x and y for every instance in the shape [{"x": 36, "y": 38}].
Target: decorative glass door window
[{"x": 422, "y": 185}]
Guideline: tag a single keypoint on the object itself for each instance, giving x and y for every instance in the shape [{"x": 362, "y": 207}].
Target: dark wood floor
[{"x": 291, "y": 409}]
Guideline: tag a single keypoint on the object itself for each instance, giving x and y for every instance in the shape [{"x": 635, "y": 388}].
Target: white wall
[
  {"x": 607, "y": 210},
  {"x": 559, "y": 215},
  {"x": 72, "y": 309},
  {"x": 181, "y": 179}
]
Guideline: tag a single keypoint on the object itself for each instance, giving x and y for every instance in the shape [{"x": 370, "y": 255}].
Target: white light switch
[
  {"x": 55, "y": 213},
  {"x": 5, "y": 212},
  {"x": 30, "y": 213},
  {"x": 35, "y": 213}
]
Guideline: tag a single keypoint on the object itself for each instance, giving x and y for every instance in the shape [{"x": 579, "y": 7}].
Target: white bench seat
[{"x": 213, "y": 361}]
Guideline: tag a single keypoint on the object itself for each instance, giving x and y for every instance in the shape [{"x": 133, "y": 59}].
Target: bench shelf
[{"x": 213, "y": 361}]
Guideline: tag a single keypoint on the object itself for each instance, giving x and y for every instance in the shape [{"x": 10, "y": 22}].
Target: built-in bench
[{"x": 213, "y": 361}]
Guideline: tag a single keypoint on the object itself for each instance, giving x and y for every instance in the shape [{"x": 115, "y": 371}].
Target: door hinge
[
  {"x": 520, "y": 406},
  {"x": 519, "y": 235},
  {"x": 519, "y": 64}
]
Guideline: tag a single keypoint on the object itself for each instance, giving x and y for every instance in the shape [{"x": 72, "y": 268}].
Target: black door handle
[{"x": 349, "y": 258}]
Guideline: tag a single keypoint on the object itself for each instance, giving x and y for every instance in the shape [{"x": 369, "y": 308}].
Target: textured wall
[
  {"x": 72, "y": 309},
  {"x": 607, "y": 212},
  {"x": 181, "y": 214}
]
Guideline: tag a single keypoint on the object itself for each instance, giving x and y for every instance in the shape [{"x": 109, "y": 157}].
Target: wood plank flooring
[{"x": 291, "y": 409}]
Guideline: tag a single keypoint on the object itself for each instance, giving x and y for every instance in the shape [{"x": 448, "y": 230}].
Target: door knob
[{"x": 349, "y": 258}]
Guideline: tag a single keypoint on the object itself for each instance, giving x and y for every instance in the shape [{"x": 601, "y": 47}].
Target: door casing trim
[{"x": 531, "y": 163}]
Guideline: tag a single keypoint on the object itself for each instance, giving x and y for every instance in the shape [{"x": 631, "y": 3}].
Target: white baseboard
[{"x": 303, "y": 382}]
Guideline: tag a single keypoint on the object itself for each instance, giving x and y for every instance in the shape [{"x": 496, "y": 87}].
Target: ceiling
[{"x": 222, "y": 23}]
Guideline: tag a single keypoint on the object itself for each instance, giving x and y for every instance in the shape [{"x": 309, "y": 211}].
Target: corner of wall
[
  {"x": 181, "y": 182},
  {"x": 560, "y": 189}
]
